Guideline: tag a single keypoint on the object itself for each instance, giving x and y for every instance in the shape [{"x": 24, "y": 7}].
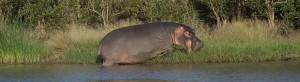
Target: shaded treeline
[{"x": 56, "y": 14}]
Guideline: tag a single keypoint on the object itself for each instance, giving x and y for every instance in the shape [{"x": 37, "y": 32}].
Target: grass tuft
[
  {"x": 79, "y": 44},
  {"x": 16, "y": 47}
]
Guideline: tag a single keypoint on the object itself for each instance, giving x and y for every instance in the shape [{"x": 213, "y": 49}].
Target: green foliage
[
  {"x": 10, "y": 8},
  {"x": 160, "y": 10},
  {"x": 165, "y": 10},
  {"x": 55, "y": 14},
  {"x": 49, "y": 13},
  {"x": 289, "y": 11},
  {"x": 45, "y": 12},
  {"x": 226, "y": 10},
  {"x": 257, "y": 9},
  {"x": 221, "y": 8}
]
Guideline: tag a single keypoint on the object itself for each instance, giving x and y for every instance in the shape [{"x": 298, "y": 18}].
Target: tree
[
  {"x": 49, "y": 13},
  {"x": 288, "y": 11},
  {"x": 271, "y": 16},
  {"x": 220, "y": 10}
]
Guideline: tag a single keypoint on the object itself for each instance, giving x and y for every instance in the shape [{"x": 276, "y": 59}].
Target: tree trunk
[
  {"x": 239, "y": 10},
  {"x": 78, "y": 9},
  {"x": 218, "y": 18},
  {"x": 219, "y": 22},
  {"x": 270, "y": 13}
]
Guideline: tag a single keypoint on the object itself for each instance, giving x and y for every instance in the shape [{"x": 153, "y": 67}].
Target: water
[{"x": 221, "y": 72}]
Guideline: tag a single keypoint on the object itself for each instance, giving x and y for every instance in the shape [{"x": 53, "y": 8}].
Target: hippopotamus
[{"x": 138, "y": 43}]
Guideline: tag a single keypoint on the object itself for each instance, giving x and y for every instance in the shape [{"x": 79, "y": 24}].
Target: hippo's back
[
  {"x": 146, "y": 32},
  {"x": 136, "y": 43}
]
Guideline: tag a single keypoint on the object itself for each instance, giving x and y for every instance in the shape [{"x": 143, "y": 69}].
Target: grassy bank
[
  {"x": 17, "y": 47},
  {"x": 242, "y": 41}
]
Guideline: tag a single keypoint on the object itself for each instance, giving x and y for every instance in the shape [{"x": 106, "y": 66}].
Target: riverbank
[{"x": 241, "y": 41}]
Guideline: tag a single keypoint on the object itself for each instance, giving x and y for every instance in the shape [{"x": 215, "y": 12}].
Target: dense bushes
[{"x": 55, "y": 14}]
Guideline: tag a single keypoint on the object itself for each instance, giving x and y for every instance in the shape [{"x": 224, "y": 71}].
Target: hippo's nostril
[{"x": 197, "y": 45}]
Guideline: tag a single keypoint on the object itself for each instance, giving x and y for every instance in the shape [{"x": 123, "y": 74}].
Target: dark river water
[{"x": 220, "y": 72}]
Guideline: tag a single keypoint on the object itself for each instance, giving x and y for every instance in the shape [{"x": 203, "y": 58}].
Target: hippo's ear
[
  {"x": 179, "y": 31},
  {"x": 187, "y": 34}
]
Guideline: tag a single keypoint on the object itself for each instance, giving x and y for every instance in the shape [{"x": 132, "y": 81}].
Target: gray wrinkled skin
[{"x": 138, "y": 43}]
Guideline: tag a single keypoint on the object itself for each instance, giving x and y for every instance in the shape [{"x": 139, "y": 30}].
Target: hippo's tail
[
  {"x": 99, "y": 59},
  {"x": 99, "y": 48}
]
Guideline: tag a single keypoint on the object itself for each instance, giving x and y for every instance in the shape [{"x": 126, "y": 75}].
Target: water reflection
[
  {"x": 130, "y": 80},
  {"x": 267, "y": 71}
]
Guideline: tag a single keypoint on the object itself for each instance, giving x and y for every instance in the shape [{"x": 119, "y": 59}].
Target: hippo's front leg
[
  {"x": 108, "y": 63},
  {"x": 169, "y": 52}
]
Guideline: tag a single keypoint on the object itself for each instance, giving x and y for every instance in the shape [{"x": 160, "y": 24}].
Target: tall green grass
[
  {"x": 241, "y": 41},
  {"x": 17, "y": 47}
]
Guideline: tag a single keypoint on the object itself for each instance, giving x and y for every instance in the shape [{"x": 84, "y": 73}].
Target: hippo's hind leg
[{"x": 108, "y": 63}]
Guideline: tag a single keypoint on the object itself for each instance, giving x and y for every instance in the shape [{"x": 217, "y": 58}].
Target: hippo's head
[{"x": 186, "y": 38}]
